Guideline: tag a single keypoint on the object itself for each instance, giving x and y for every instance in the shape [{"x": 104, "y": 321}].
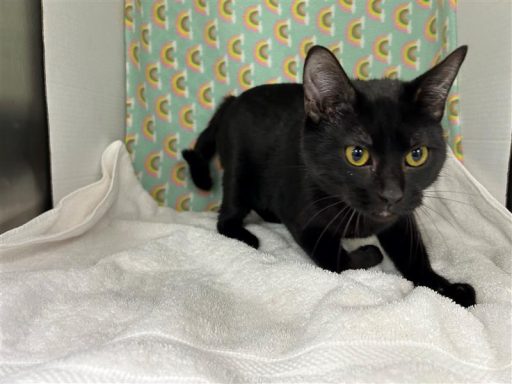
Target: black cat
[{"x": 334, "y": 158}]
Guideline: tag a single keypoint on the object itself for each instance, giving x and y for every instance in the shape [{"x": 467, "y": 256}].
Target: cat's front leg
[
  {"x": 326, "y": 250},
  {"x": 402, "y": 241}
]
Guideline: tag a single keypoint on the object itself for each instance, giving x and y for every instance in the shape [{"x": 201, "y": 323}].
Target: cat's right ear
[
  {"x": 431, "y": 89},
  {"x": 326, "y": 85}
]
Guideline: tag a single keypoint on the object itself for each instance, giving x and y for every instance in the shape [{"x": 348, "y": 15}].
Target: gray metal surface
[{"x": 24, "y": 165}]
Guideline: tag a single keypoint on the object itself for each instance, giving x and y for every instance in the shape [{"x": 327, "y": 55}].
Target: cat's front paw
[
  {"x": 463, "y": 294},
  {"x": 249, "y": 239},
  {"x": 364, "y": 257}
]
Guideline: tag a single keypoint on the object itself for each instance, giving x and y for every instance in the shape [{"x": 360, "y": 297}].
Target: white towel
[{"x": 108, "y": 287}]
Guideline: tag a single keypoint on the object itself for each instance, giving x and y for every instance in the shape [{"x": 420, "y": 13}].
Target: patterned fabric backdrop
[{"x": 184, "y": 56}]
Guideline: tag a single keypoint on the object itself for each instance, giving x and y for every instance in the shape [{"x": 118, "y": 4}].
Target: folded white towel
[{"x": 108, "y": 287}]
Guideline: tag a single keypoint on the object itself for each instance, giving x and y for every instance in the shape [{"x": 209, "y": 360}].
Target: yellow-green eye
[
  {"x": 357, "y": 156},
  {"x": 417, "y": 156}
]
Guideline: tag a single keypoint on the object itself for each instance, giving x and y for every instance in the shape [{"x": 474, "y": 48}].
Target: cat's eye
[
  {"x": 356, "y": 155},
  {"x": 417, "y": 156}
]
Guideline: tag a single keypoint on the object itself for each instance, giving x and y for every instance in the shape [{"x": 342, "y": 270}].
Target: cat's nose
[{"x": 391, "y": 194}]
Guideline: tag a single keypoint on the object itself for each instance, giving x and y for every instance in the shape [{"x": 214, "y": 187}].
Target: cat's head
[{"x": 379, "y": 143}]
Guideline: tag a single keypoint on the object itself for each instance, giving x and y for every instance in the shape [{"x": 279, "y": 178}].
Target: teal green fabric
[{"x": 183, "y": 57}]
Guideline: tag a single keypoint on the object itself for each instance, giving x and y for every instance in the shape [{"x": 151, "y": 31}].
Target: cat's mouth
[{"x": 383, "y": 215}]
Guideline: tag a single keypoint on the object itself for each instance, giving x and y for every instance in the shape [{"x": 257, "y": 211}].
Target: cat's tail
[{"x": 198, "y": 159}]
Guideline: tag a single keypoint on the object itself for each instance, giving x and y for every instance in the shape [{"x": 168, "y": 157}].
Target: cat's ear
[
  {"x": 430, "y": 90},
  {"x": 326, "y": 85}
]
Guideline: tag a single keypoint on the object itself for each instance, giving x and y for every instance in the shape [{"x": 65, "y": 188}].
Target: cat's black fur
[{"x": 283, "y": 152}]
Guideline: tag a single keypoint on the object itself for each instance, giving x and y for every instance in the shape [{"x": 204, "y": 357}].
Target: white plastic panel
[
  {"x": 84, "y": 60},
  {"x": 486, "y": 88}
]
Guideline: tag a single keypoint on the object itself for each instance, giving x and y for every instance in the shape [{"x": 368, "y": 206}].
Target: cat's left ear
[
  {"x": 326, "y": 85},
  {"x": 431, "y": 89}
]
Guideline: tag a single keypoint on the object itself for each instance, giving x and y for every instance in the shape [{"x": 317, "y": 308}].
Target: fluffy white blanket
[{"x": 108, "y": 287}]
